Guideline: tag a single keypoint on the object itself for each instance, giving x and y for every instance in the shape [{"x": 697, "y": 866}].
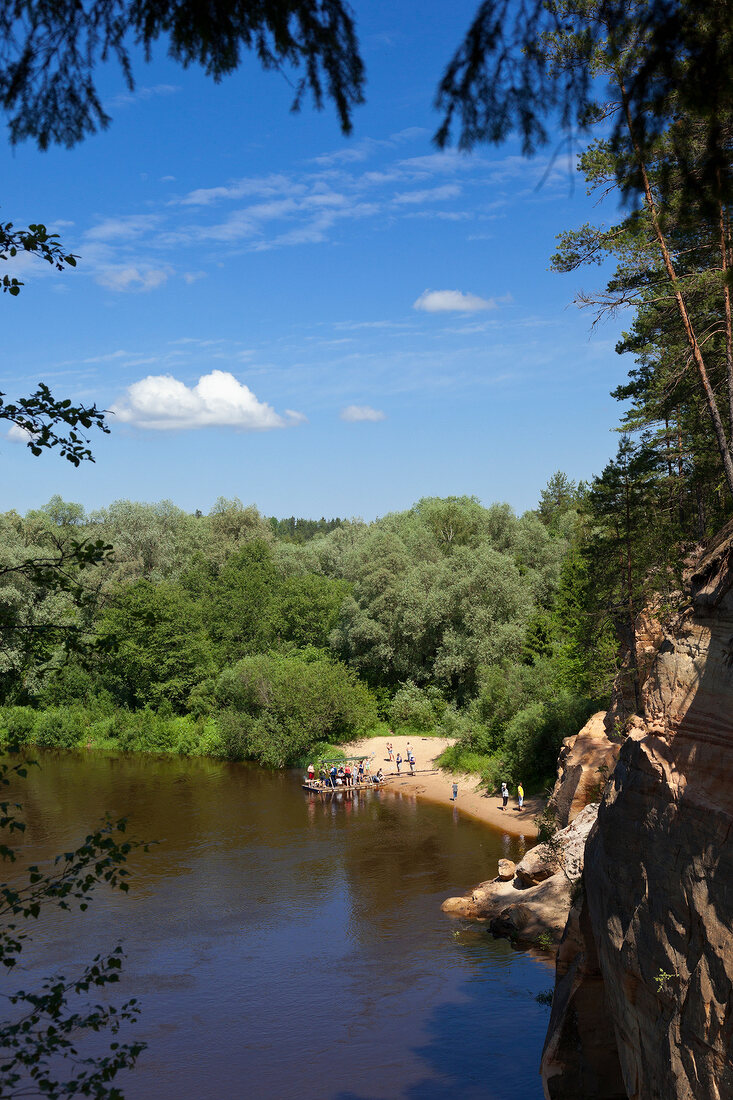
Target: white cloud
[
  {"x": 314, "y": 203},
  {"x": 161, "y": 402},
  {"x": 351, "y": 154},
  {"x": 132, "y": 277},
  {"x": 410, "y": 133},
  {"x": 441, "y": 215},
  {"x": 354, "y": 414},
  {"x": 452, "y": 301},
  {"x": 367, "y": 147},
  {"x": 16, "y": 434},
  {"x": 432, "y": 164},
  {"x": 122, "y": 228},
  {"x": 349, "y": 325},
  {"x": 125, "y": 99},
  {"x": 265, "y": 187},
  {"x": 430, "y": 194}
]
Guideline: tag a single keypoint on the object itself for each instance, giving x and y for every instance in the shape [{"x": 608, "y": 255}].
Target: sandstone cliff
[
  {"x": 584, "y": 764},
  {"x": 644, "y": 994}
]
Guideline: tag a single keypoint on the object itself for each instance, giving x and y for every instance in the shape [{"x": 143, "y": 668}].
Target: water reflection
[{"x": 289, "y": 946}]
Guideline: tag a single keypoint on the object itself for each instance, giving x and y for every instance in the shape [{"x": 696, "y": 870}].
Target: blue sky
[{"x": 318, "y": 325}]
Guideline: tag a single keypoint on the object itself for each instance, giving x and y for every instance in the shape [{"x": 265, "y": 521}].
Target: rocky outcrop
[
  {"x": 507, "y": 870},
  {"x": 583, "y": 767},
  {"x": 648, "y": 963},
  {"x": 538, "y": 896}
]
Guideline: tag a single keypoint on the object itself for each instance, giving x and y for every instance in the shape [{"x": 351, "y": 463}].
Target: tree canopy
[
  {"x": 50, "y": 50},
  {"x": 675, "y": 57}
]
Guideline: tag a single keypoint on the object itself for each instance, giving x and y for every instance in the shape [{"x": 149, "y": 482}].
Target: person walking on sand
[
  {"x": 398, "y": 762},
  {"x": 455, "y": 792},
  {"x": 411, "y": 762},
  {"x": 520, "y": 796},
  {"x": 390, "y": 750},
  {"x": 504, "y": 795}
]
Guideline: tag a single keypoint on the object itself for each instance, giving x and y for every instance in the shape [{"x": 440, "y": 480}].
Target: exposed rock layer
[
  {"x": 654, "y": 946},
  {"x": 584, "y": 764},
  {"x": 538, "y": 896}
]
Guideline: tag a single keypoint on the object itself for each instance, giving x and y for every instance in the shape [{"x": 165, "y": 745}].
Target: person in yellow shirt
[{"x": 520, "y": 796}]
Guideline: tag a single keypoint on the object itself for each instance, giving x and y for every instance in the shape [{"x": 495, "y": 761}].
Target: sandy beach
[{"x": 434, "y": 785}]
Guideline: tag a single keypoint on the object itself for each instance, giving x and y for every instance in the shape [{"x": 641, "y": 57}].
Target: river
[{"x": 287, "y": 946}]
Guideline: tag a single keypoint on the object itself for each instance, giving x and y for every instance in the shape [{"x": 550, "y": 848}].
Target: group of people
[
  {"x": 505, "y": 796},
  {"x": 351, "y": 773},
  {"x": 398, "y": 759},
  {"x": 345, "y": 775}
]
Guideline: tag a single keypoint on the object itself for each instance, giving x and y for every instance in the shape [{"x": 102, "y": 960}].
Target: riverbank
[{"x": 435, "y": 785}]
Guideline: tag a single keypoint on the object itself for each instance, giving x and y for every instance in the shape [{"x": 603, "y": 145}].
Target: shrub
[
  {"x": 534, "y": 735},
  {"x": 496, "y": 771},
  {"x": 463, "y": 725},
  {"x": 60, "y": 728},
  {"x": 66, "y": 685},
  {"x": 418, "y": 708},
  {"x": 276, "y": 706},
  {"x": 457, "y": 758},
  {"x": 18, "y": 724},
  {"x": 145, "y": 731}
]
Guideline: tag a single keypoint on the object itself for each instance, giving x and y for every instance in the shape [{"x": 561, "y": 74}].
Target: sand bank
[{"x": 431, "y": 783}]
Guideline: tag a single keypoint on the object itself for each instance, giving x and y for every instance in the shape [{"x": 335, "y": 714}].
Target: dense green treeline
[
  {"x": 213, "y": 634},
  {"x": 210, "y": 634}
]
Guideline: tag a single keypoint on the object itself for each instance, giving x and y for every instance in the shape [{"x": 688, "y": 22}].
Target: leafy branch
[
  {"x": 39, "y": 242},
  {"x": 44, "y": 1036},
  {"x": 39, "y": 416}
]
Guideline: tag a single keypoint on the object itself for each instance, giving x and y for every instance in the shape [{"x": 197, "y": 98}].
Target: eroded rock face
[
  {"x": 659, "y": 877},
  {"x": 538, "y": 896},
  {"x": 584, "y": 764}
]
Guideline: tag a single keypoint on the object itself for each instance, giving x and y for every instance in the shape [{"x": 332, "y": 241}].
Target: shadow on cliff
[
  {"x": 499, "y": 1067},
  {"x": 658, "y": 871}
]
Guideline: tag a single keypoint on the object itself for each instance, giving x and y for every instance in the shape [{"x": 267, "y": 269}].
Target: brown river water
[{"x": 285, "y": 945}]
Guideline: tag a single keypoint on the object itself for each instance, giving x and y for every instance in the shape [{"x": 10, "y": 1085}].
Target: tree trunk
[
  {"x": 680, "y": 502},
  {"x": 700, "y": 512},
  {"x": 728, "y": 323},
  {"x": 630, "y": 598}
]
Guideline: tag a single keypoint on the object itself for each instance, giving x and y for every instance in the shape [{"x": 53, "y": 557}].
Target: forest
[{"x": 219, "y": 634}]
